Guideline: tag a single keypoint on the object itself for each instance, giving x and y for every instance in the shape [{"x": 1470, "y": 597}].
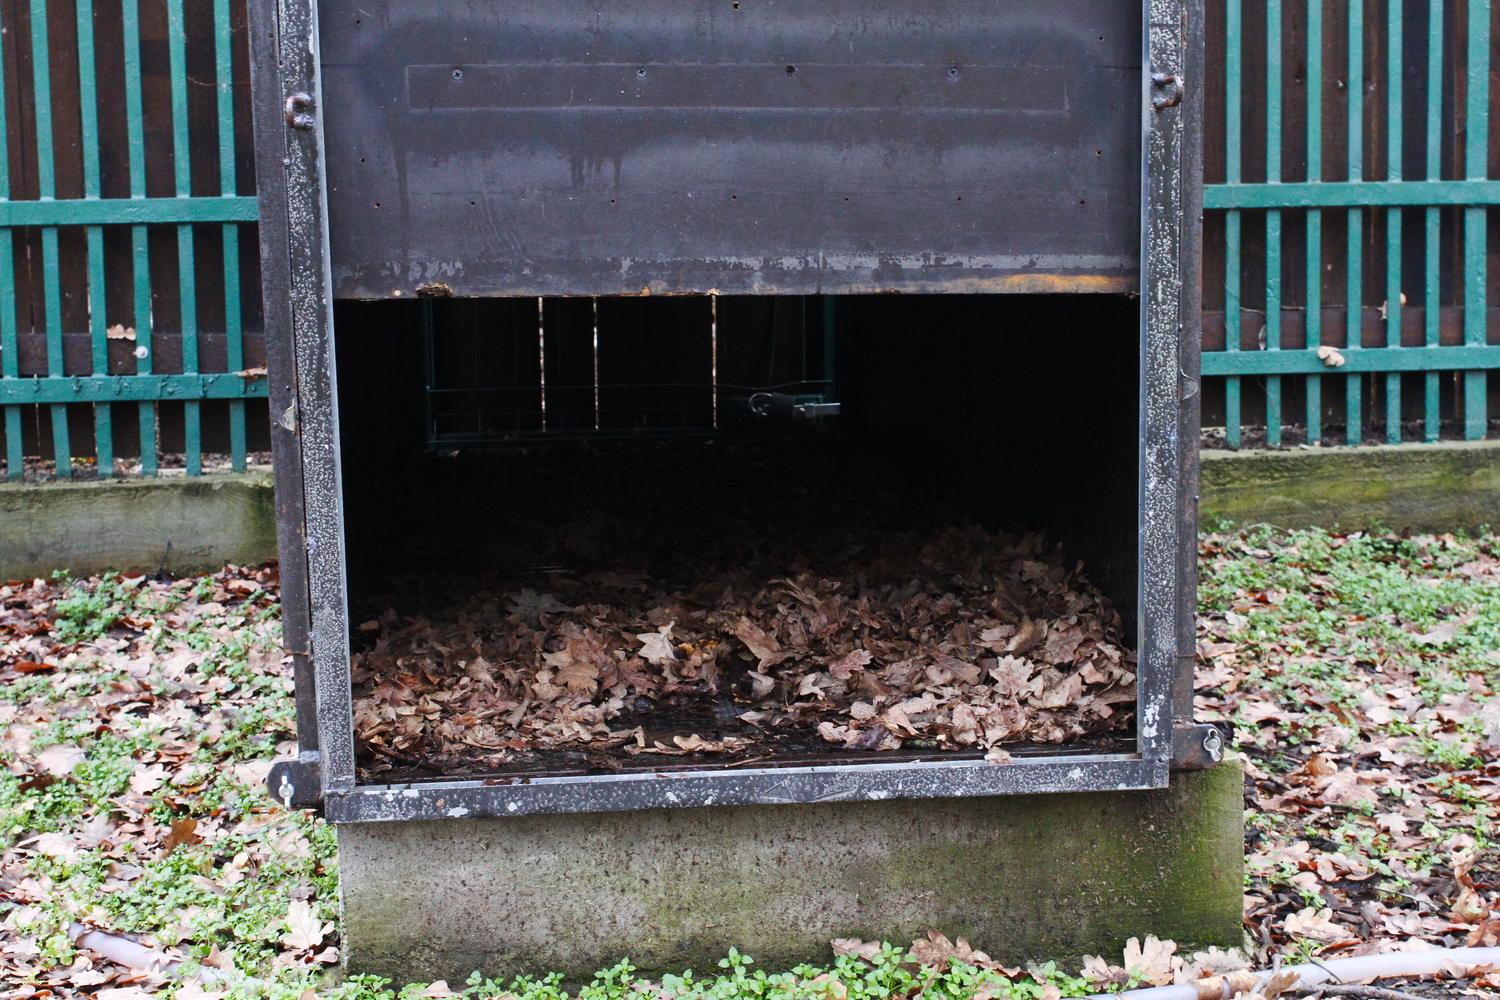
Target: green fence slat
[
  {"x": 41, "y": 72},
  {"x": 224, "y": 73},
  {"x": 1370, "y": 360},
  {"x": 1393, "y": 321},
  {"x": 1433, "y": 289},
  {"x": 234, "y": 343},
  {"x": 1272, "y": 332},
  {"x": 88, "y": 104},
  {"x": 15, "y": 467},
  {"x": 188, "y": 297},
  {"x": 1476, "y": 229},
  {"x": 135, "y": 138},
  {"x": 141, "y": 266},
  {"x": 127, "y": 211},
  {"x": 1233, "y": 81},
  {"x": 233, "y": 334},
  {"x": 52, "y": 304},
  {"x": 1354, "y": 296},
  {"x": 47, "y": 390},
  {"x": 1313, "y": 316},
  {"x": 104, "y": 432},
  {"x": 1337, "y": 194}
]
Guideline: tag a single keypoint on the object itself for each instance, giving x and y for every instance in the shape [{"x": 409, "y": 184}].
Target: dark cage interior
[{"x": 624, "y": 534}]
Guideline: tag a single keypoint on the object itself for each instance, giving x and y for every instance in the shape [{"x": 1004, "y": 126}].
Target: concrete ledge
[
  {"x": 1021, "y": 877},
  {"x": 1448, "y": 486},
  {"x": 127, "y": 526}
]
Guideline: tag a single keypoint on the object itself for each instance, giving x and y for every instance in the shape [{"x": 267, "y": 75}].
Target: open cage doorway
[{"x": 938, "y": 570}]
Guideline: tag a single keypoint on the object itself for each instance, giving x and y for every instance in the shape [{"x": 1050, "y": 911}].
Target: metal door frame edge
[{"x": 300, "y": 347}]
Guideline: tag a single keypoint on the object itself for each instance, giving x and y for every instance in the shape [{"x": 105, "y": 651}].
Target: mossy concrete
[
  {"x": 1448, "y": 486},
  {"x": 181, "y": 524},
  {"x": 1023, "y": 877}
]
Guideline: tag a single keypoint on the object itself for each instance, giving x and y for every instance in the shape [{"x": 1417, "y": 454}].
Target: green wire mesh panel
[
  {"x": 1346, "y": 225},
  {"x": 129, "y": 290}
]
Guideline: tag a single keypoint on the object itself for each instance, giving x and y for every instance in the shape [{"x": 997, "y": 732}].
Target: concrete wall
[
  {"x": 1448, "y": 486},
  {"x": 128, "y": 526},
  {"x": 1023, "y": 877}
]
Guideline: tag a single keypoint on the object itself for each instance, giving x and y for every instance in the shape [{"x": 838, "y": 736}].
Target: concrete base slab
[
  {"x": 182, "y": 524},
  {"x": 1448, "y": 486},
  {"x": 1024, "y": 877}
]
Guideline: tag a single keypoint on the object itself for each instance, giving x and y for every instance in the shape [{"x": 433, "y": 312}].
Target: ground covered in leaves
[
  {"x": 1359, "y": 674},
  {"x": 796, "y": 602},
  {"x": 140, "y": 715}
]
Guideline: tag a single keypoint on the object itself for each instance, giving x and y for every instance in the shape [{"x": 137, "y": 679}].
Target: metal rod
[
  {"x": 713, "y": 334},
  {"x": 228, "y": 185},
  {"x": 541, "y": 353},
  {"x": 595, "y": 301},
  {"x": 1393, "y": 171},
  {"x": 1233, "y": 79},
  {"x": 1312, "y": 328}
]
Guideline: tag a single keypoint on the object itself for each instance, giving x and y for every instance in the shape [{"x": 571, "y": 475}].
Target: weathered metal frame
[{"x": 303, "y": 387}]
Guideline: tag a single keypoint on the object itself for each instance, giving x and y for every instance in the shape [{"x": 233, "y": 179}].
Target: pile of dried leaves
[
  {"x": 962, "y": 638},
  {"x": 1359, "y": 673},
  {"x": 138, "y": 719}
]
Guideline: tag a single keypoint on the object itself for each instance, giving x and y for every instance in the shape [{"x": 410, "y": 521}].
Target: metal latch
[
  {"x": 297, "y": 784},
  {"x": 1196, "y": 746},
  {"x": 780, "y": 406}
]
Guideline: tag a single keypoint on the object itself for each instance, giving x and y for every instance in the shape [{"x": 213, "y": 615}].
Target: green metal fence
[
  {"x": 1355, "y": 262},
  {"x": 88, "y": 230}
]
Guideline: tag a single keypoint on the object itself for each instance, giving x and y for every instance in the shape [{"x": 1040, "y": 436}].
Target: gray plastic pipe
[
  {"x": 1337, "y": 970},
  {"x": 120, "y": 949}
]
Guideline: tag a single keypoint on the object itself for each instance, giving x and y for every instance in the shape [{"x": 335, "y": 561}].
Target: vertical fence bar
[
  {"x": 1273, "y": 217},
  {"x": 15, "y": 458},
  {"x": 1313, "y": 319},
  {"x": 1354, "y": 297},
  {"x": 187, "y": 291},
  {"x": 104, "y": 451},
  {"x": 233, "y": 322},
  {"x": 1393, "y": 84},
  {"x": 41, "y": 68},
  {"x": 140, "y": 251},
  {"x": 1432, "y": 293},
  {"x": 1476, "y": 228},
  {"x": 1233, "y": 70}
]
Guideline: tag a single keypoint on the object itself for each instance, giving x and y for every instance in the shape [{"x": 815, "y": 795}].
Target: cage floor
[{"x": 695, "y": 604}]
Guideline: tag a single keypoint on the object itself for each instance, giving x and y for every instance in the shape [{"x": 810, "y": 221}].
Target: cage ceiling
[{"x": 536, "y": 148}]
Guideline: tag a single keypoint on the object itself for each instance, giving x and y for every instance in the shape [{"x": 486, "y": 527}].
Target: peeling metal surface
[
  {"x": 868, "y": 782},
  {"x": 537, "y": 147}
]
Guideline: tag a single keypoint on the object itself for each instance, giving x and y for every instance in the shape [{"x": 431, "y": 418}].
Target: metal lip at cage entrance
[{"x": 312, "y": 193}]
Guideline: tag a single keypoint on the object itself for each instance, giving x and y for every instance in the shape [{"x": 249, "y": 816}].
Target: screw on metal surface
[
  {"x": 952, "y": 70},
  {"x": 299, "y": 108},
  {"x": 458, "y": 74},
  {"x": 1173, "y": 97},
  {"x": 641, "y": 72}
]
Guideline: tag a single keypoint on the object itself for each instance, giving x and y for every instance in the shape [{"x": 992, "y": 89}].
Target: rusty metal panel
[{"x": 552, "y": 147}]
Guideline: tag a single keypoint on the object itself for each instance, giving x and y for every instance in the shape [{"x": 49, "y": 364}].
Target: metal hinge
[
  {"x": 1171, "y": 83},
  {"x": 299, "y": 111}
]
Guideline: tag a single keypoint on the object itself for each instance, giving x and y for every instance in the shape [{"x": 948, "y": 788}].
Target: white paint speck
[
  {"x": 878, "y": 794},
  {"x": 511, "y": 807},
  {"x": 1077, "y": 772},
  {"x": 457, "y": 812},
  {"x": 671, "y": 796}
]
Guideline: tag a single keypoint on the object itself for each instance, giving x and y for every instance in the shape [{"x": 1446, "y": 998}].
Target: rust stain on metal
[{"x": 436, "y": 290}]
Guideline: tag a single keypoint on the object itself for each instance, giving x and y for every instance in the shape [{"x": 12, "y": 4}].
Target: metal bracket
[
  {"x": 299, "y": 112},
  {"x": 1196, "y": 746},
  {"x": 780, "y": 406},
  {"x": 297, "y": 784},
  {"x": 1170, "y": 82}
]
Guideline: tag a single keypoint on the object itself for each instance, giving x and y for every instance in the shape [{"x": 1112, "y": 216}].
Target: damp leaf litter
[{"x": 140, "y": 715}]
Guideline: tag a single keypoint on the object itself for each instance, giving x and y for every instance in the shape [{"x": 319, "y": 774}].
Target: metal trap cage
[
  {"x": 964, "y": 234},
  {"x": 511, "y": 372}
]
